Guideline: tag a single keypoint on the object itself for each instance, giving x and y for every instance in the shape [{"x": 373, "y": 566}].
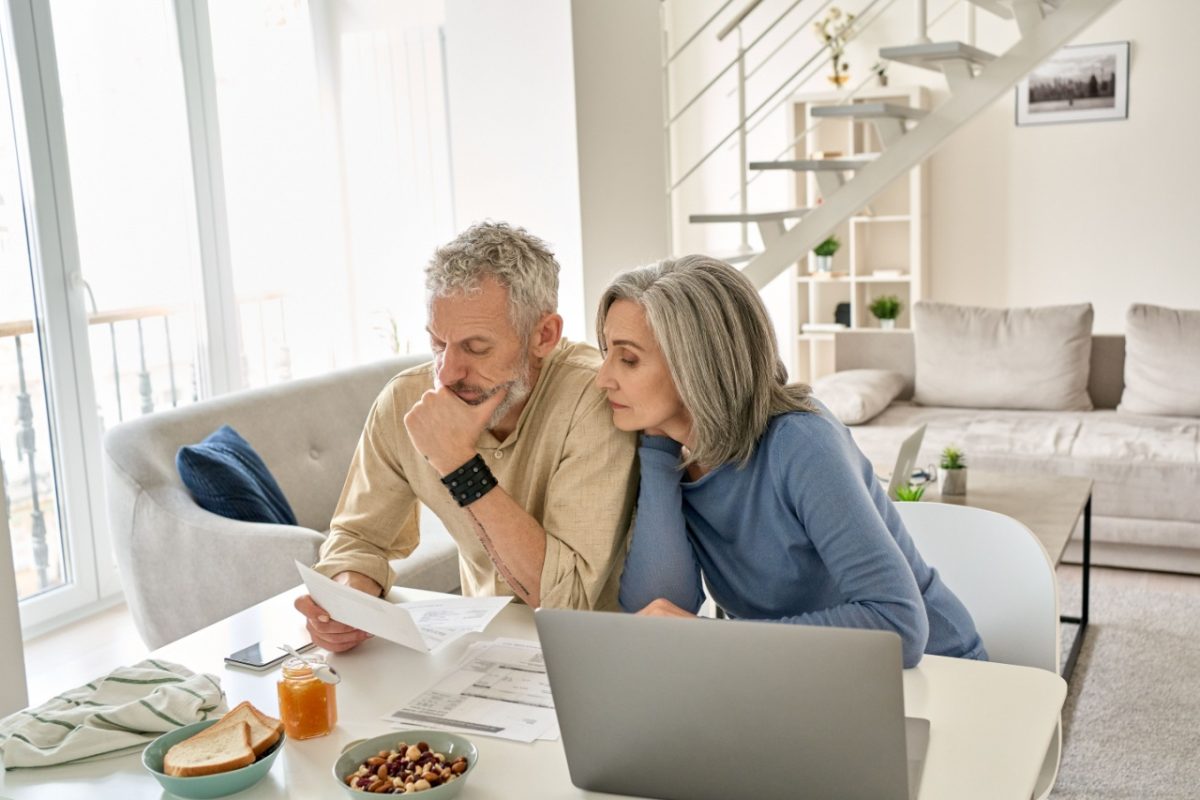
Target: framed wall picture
[{"x": 1083, "y": 83}]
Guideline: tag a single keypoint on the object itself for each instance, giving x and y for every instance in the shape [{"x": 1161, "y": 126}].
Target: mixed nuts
[{"x": 407, "y": 768}]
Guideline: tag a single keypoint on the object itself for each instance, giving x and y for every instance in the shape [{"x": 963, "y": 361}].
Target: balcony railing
[{"x": 143, "y": 360}]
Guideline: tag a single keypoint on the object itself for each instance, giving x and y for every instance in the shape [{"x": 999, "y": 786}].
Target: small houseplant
[
  {"x": 824, "y": 253},
  {"x": 880, "y": 70},
  {"x": 910, "y": 493},
  {"x": 885, "y": 309},
  {"x": 954, "y": 471}
]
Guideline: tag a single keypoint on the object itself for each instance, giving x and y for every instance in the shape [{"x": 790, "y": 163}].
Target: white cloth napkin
[{"x": 129, "y": 707}]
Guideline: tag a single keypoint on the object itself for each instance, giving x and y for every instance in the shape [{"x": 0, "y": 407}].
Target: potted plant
[
  {"x": 835, "y": 30},
  {"x": 910, "y": 493},
  {"x": 954, "y": 471},
  {"x": 824, "y": 254},
  {"x": 880, "y": 70},
  {"x": 886, "y": 308}
]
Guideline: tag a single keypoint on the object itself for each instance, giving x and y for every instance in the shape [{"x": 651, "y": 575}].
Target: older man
[{"x": 504, "y": 436}]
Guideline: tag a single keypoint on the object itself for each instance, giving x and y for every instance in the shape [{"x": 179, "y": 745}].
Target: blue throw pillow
[{"x": 226, "y": 477}]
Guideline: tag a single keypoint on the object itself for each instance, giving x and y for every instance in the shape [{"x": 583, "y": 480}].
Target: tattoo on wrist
[{"x": 500, "y": 565}]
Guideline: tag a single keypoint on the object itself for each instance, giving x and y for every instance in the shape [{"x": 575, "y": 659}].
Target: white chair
[
  {"x": 13, "y": 696},
  {"x": 1004, "y": 577}
]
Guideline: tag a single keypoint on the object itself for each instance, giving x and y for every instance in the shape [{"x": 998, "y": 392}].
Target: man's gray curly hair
[{"x": 516, "y": 259}]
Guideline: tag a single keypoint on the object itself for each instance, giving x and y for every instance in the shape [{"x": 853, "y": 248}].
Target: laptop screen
[{"x": 701, "y": 709}]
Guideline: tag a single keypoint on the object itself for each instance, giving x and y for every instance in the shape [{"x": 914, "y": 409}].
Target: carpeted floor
[{"x": 1132, "y": 716}]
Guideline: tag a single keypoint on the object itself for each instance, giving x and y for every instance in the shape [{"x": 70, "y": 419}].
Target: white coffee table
[{"x": 990, "y": 723}]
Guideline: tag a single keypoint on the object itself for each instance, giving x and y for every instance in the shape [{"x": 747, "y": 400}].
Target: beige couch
[
  {"x": 183, "y": 567},
  {"x": 1146, "y": 501}
]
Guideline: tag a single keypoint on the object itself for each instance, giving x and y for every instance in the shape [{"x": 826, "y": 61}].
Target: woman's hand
[{"x": 662, "y": 607}]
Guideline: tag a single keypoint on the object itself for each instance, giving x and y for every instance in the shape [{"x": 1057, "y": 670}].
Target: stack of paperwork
[{"x": 499, "y": 689}]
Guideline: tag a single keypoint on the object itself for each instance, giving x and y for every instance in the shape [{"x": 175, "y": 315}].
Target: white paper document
[
  {"x": 499, "y": 689},
  {"x": 424, "y": 625}
]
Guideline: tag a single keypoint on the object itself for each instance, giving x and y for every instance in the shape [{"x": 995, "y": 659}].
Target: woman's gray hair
[
  {"x": 720, "y": 347},
  {"x": 518, "y": 260}
]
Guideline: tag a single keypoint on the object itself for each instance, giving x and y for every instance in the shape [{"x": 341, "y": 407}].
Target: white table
[
  {"x": 1050, "y": 506},
  {"x": 990, "y": 723}
]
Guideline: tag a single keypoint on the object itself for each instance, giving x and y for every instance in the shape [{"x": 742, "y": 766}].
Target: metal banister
[
  {"x": 737, "y": 60},
  {"x": 699, "y": 31},
  {"x": 787, "y": 82},
  {"x": 865, "y": 23},
  {"x": 853, "y": 93},
  {"x": 788, "y": 39},
  {"x": 737, "y": 19}
]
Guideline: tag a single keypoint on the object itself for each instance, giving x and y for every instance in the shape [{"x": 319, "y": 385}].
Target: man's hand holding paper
[
  {"x": 327, "y": 632},
  {"x": 423, "y": 625}
]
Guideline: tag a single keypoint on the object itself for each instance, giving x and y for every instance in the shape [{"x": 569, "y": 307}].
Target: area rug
[{"x": 1132, "y": 715}]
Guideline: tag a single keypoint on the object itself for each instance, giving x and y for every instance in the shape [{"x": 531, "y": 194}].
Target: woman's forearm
[{"x": 660, "y": 562}]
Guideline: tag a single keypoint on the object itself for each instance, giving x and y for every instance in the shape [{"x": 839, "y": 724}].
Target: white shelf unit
[{"x": 884, "y": 247}]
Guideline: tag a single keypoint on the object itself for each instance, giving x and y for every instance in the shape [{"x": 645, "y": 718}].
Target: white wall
[
  {"x": 555, "y": 118},
  {"x": 1103, "y": 212},
  {"x": 622, "y": 166},
  {"x": 512, "y": 124}
]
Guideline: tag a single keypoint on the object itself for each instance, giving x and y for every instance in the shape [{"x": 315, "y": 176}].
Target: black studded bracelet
[{"x": 470, "y": 482}]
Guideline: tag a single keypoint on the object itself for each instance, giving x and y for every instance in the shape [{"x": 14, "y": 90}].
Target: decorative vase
[
  {"x": 822, "y": 263},
  {"x": 887, "y": 324},
  {"x": 954, "y": 482}
]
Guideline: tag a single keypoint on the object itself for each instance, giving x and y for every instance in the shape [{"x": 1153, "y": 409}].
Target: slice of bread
[
  {"x": 211, "y": 751},
  {"x": 264, "y": 731}
]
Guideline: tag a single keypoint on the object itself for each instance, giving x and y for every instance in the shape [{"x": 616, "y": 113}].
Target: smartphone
[{"x": 262, "y": 656}]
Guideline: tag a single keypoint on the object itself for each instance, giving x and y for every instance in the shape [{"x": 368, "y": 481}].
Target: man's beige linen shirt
[{"x": 565, "y": 464}]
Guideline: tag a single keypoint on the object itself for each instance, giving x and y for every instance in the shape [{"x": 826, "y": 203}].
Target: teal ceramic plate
[
  {"x": 202, "y": 787},
  {"x": 449, "y": 744}
]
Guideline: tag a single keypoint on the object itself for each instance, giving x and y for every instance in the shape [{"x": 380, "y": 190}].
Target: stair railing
[
  {"x": 861, "y": 86},
  {"x": 747, "y": 121}
]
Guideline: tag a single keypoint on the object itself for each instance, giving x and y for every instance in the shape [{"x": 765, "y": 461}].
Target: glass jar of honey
[{"x": 307, "y": 705}]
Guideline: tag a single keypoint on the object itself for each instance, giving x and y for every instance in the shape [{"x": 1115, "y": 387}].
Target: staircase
[{"x": 975, "y": 79}]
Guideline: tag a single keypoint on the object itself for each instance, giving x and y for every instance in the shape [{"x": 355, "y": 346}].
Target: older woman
[{"x": 748, "y": 482}]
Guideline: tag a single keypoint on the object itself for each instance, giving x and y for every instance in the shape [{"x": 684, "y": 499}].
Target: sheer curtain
[
  {"x": 337, "y": 171},
  {"x": 382, "y": 67}
]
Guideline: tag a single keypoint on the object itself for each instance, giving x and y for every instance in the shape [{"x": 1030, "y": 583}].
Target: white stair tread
[
  {"x": 869, "y": 111},
  {"x": 1004, "y": 8},
  {"x": 1000, "y": 8},
  {"x": 738, "y": 258},
  {"x": 815, "y": 165},
  {"x": 750, "y": 216},
  {"x": 931, "y": 55}
]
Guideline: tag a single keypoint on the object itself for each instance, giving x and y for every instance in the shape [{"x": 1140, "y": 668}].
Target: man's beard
[{"x": 518, "y": 389}]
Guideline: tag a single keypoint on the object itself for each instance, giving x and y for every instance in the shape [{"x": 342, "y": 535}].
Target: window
[{"x": 334, "y": 163}]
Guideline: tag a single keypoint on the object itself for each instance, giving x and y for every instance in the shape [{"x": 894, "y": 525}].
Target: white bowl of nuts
[{"x": 433, "y": 763}]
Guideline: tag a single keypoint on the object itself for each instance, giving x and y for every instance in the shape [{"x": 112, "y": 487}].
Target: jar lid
[{"x": 296, "y": 668}]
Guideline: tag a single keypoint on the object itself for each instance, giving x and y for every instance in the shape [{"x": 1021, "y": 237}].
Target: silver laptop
[
  {"x": 711, "y": 710},
  {"x": 906, "y": 459}
]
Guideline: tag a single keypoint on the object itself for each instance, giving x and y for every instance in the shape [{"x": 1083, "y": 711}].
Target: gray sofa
[
  {"x": 1146, "y": 500},
  {"x": 184, "y": 568}
]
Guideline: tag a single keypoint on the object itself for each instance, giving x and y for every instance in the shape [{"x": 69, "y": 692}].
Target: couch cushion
[
  {"x": 857, "y": 395},
  {"x": 225, "y": 476},
  {"x": 1162, "y": 361},
  {"x": 1020, "y": 358},
  {"x": 1144, "y": 467}
]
